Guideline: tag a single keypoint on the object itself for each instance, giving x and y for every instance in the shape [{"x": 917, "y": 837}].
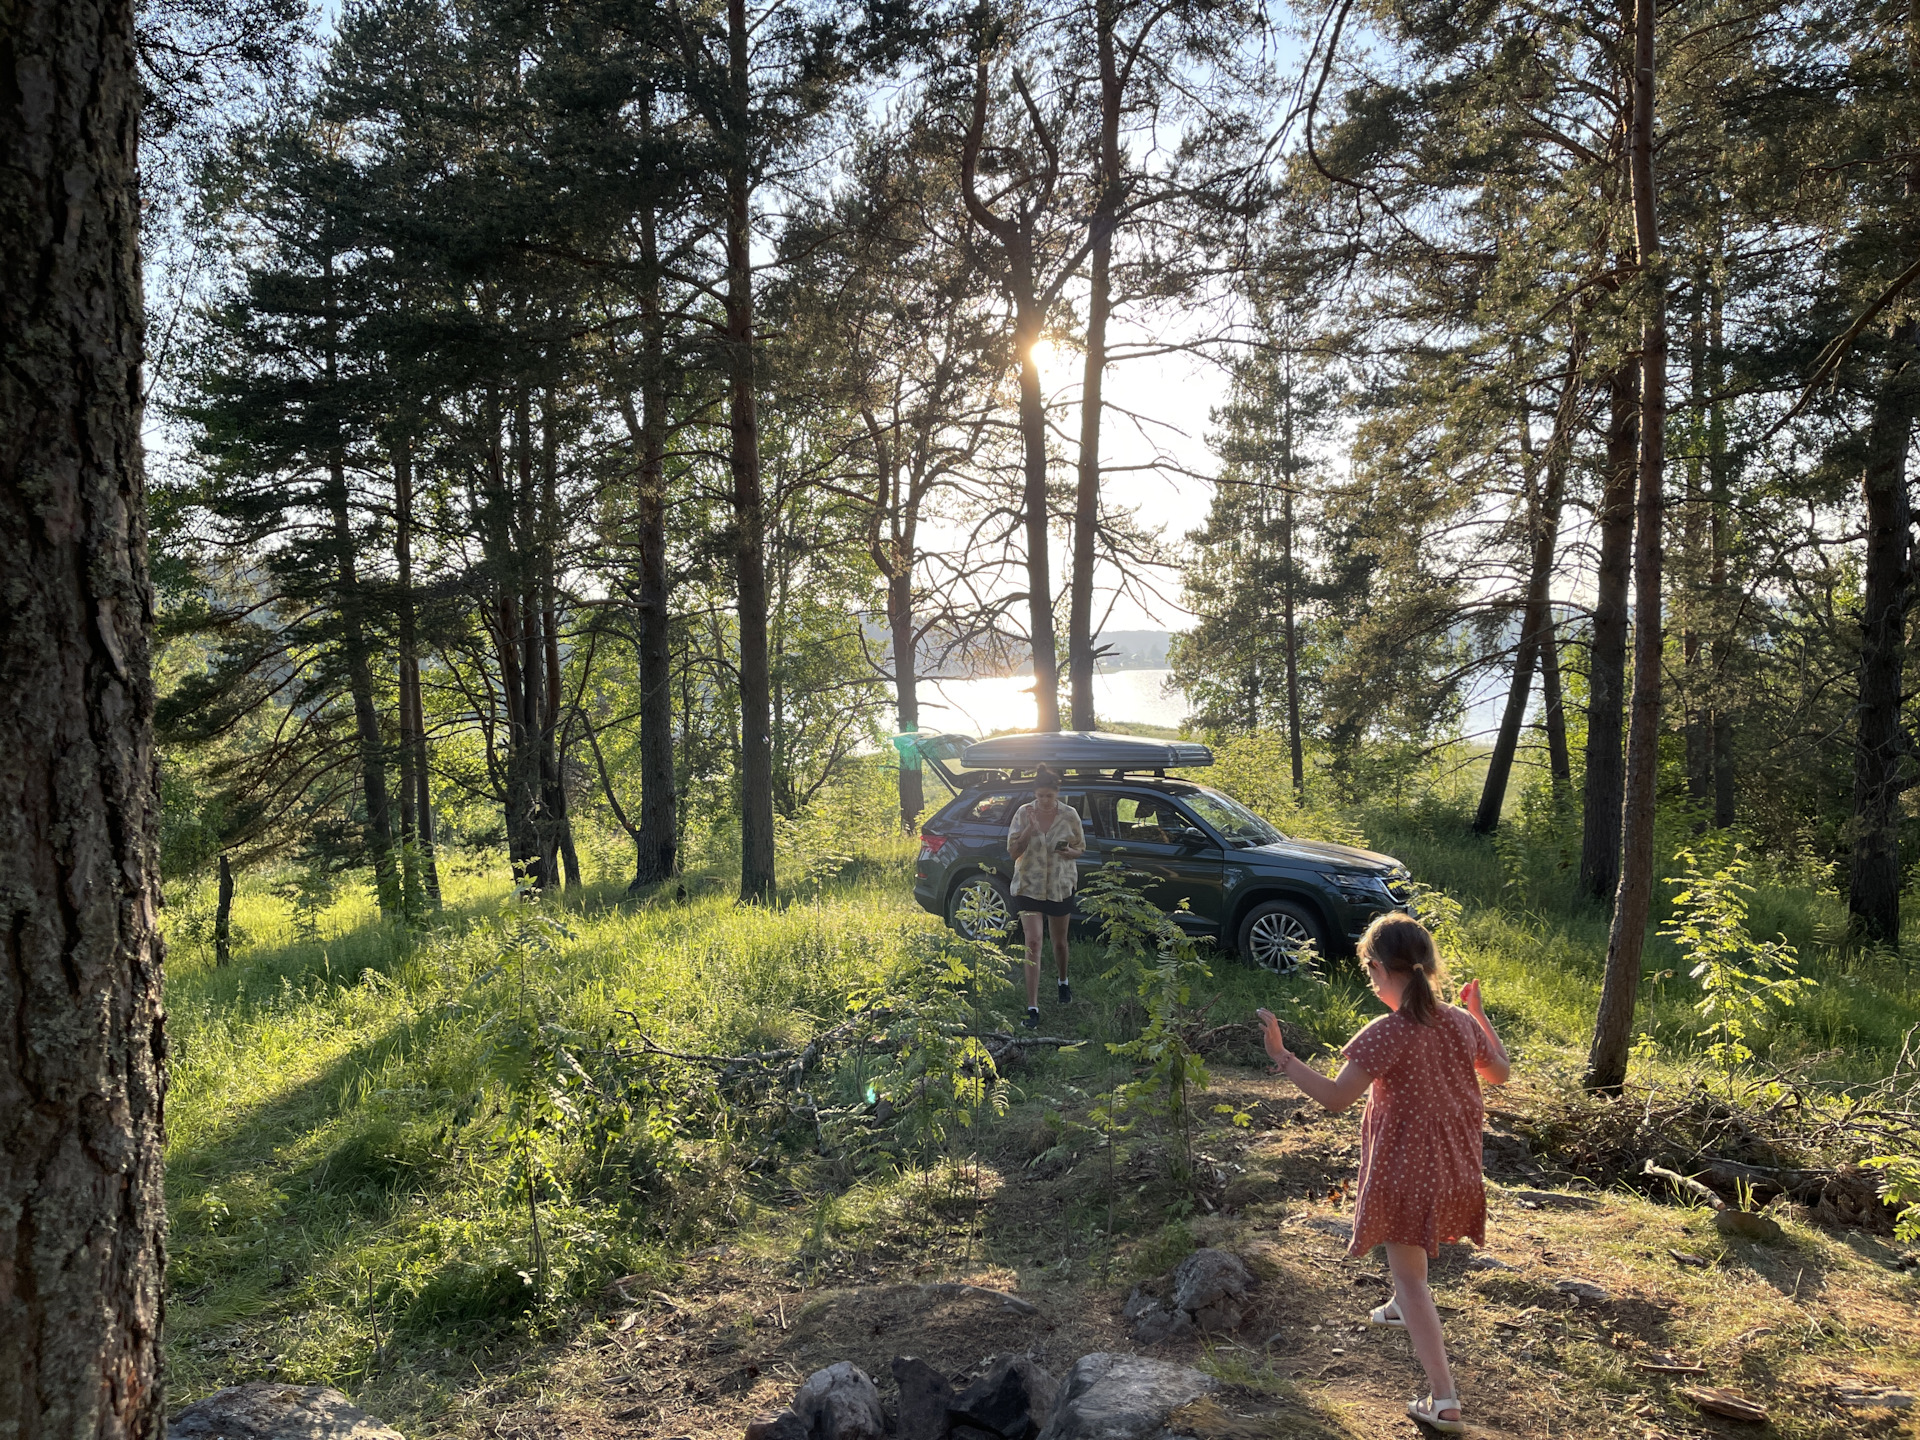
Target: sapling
[{"x": 1742, "y": 979}]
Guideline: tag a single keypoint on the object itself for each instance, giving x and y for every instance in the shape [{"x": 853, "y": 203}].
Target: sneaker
[
  {"x": 1033, "y": 1017},
  {"x": 1066, "y": 992}
]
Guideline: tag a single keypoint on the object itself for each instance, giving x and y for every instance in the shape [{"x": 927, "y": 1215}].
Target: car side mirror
[{"x": 1188, "y": 835}]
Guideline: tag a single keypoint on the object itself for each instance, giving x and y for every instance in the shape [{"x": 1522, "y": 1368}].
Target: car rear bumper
[{"x": 926, "y": 890}]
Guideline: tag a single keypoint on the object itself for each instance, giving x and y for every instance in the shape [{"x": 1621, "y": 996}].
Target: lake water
[{"x": 1005, "y": 702}]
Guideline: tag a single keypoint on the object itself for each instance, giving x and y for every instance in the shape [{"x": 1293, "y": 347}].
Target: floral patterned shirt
[{"x": 1042, "y": 872}]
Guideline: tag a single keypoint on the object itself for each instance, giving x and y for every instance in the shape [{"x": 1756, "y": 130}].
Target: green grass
[{"x": 360, "y": 1115}]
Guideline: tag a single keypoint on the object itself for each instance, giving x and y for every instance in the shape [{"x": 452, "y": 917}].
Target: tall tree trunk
[
  {"x": 1719, "y": 476},
  {"x": 1880, "y": 752},
  {"x": 1544, "y": 499},
  {"x": 1290, "y": 626},
  {"x": 223, "y": 913},
  {"x": 749, "y": 516},
  {"x": 1033, "y": 501},
  {"x": 1553, "y": 705},
  {"x": 552, "y": 757},
  {"x": 406, "y": 754},
  {"x": 542, "y": 864},
  {"x": 350, "y": 603},
  {"x": 1613, "y": 1024},
  {"x": 1693, "y": 598},
  {"x": 366, "y": 718},
  {"x": 1086, "y": 500},
  {"x": 1607, "y": 664},
  {"x": 82, "y": 1051},
  {"x": 906, "y": 684},
  {"x": 658, "y": 840},
  {"x": 416, "y": 812}
]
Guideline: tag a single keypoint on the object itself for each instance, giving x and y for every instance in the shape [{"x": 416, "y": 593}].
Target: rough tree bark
[
  {"x": 1086, "y": 499},
  {"x": 1880, "y": 752},
  {"x": 1607, "y": 665},
  {"x": 1613, "y": 1024},
  {"x": 82, "y": 1051},
  {"x": 223, "y": 913},
  {"x": 658, "y": 840},
  {"x": 749, "y": 511}
]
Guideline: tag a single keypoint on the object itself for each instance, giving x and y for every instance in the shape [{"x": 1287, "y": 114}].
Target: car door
[{"x": 1176, "y": 861}]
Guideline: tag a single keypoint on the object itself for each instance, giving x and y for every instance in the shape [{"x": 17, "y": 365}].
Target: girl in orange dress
[{"x": 1420, "y": 1066}]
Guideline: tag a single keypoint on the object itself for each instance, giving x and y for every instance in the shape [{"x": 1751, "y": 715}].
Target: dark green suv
[{"x": 1243, "y": 883}]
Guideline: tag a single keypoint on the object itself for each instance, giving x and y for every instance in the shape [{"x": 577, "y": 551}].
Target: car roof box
[{"x": 1083, "y": 750}]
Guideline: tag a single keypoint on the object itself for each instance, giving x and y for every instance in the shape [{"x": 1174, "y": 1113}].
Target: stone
[
  {"x": 1221, "y": 1315},
  {"x": 1207, "y": 1277},
  {"x": 1874, "y": 1399},
  {"x": 1122, "y": 1397},
  {"x": 1138, "y": 1303},
  {"x": 1584, "y": 1292},
  {"x": 924, "y": 1397},
  {"x": 1013, "y": 1399},
  {"x": 971, "y": 1432},
  {"x": 262, "y": 1410},
  {"x": 784, "y": 1426},
  {"x": 841, "y": 1403},
  {"x": 1487, "y": 1262},
  {"x": 1159, "y": 1322},
  {"x": 1018, "y": 1306}
]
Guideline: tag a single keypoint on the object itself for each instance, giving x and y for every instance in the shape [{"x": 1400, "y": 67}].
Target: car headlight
[{"x": 1365, "y": 889}]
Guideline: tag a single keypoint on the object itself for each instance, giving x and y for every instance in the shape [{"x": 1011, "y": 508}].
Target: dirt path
[{"x": 1807, "y": 1327}]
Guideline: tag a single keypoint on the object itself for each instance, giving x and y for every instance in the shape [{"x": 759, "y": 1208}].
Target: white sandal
[
  {"x": 1427, "y": 1412},
  {"x": 1388, "y": 1315}
]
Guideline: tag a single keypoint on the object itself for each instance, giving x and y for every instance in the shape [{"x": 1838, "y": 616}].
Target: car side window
[
  {"x": 991, "y": 810},
  {"x": 1142, "y": 819}
]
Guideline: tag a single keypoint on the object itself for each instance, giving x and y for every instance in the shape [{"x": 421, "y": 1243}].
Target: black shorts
[{"x": 1025, "y": 903}]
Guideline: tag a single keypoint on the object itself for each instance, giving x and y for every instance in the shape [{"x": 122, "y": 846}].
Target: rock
[
  {"x": 784, "y": 1426},
  {"x": 1584, "y": 1292},
  {"x": 1159, "y": 1322},
  {"x": 1018, "y": 1306},
  {"x": 924, "y": 1397},
  {"x": 1013, "y": 1399},
  {"x": 840, "y": 1403},
  {"x": 1138, "y": 1303},
  {"x": 1746, "y": 1224},
  {"x": 971, "y": 1432},
  {"x": 1207, "y": 1277},
  {"x": 1122, "y": 1397},
  {"x": 262, "y": 1410},
  {"x": 1221, "y": 1315},
  {"x": 1487, "y": 1262}
]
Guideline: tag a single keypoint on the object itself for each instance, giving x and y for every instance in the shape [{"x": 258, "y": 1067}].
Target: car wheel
[
  {"x": 1279, "y": 934},
  {"x": 979, "y": 908}
]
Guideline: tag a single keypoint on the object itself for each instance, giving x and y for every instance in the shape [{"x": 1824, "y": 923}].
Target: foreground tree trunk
[
  {"x": 749, "y": 511},
  {"x": 82, "y": 1052},
  {"x": 658, "y": 840},
  {"x": 1879, "y": 755},
  {"x": 1086, "y": 500},
  {"x": 1613, "y": 1025},
  {"x": 1607, "y": 667}
]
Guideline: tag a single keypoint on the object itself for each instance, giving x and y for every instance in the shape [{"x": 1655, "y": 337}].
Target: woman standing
[{"x": 1044, "y": 840}]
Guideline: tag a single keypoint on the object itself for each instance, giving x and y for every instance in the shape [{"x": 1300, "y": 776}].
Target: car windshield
[{"x": 1239, "y": 826}]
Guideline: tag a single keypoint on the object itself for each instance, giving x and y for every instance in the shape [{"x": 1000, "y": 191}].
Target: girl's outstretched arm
[
  {"x": 1336, "y": 1092},
  {"x": 1497, "y": 1069}
]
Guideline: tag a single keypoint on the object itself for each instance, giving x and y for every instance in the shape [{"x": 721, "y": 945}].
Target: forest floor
[{"x": 343, "y": 1177}]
